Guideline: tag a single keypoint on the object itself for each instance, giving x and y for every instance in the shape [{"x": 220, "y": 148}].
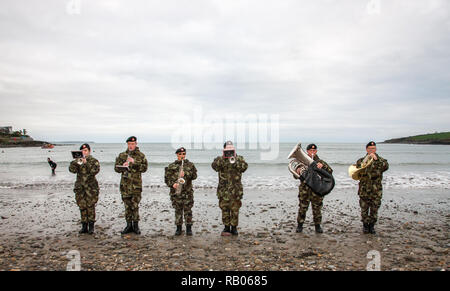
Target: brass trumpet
[{"x": 78, "y": 155}]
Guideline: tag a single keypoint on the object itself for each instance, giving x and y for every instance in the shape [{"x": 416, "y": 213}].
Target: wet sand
[{"x": 38, "y": 227}]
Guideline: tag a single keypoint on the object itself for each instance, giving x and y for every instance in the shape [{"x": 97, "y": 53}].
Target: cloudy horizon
[{"x": 332, "y": 71}]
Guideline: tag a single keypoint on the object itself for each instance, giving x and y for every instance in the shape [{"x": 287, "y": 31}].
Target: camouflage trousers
[
  {"x": 183, "y": 207},
  {"x": 230, "y": 211},
  {"x": 306, "y": 196},
  {"x": 86, "y": 202},
  {"x": 131, "y": 203},
  {"x": 369, "y": 207}
]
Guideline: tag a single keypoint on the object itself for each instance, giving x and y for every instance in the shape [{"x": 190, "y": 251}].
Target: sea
[{"x": 424, "y": 167}]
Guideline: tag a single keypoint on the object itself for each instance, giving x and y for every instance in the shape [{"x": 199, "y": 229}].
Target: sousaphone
[{"x": 319, "y": 180}]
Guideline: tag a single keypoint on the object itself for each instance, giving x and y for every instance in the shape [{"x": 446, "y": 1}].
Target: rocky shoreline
[
  {"x": 34, "y": 143},
  {"x": 39, "y": 228}
]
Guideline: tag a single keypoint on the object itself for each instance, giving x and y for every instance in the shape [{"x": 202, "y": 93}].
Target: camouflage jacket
[
  {"x": 373, "y": 174},
  {"x": 230, "y": 185},
  {"x": 86, "y": 174},
  {"x": 325, "y": 167},
  {"x": 171, "y": 176},
  {"x": 131, "y": 181}
]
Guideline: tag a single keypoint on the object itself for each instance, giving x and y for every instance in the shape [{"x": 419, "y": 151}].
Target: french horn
[{"x": 355, "y": 173}]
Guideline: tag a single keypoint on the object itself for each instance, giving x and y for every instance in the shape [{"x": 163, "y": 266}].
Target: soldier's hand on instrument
[
  {"x": 319, "y": 165},
  {"x": 125, "y": 164},
  {"x": 175, "y": 185},
  {"x": 374, "y": 156},
  {"x": 83, "y": 160},
  {"x": 130, "y": 160},
  {"x": 299, "y": 170}
]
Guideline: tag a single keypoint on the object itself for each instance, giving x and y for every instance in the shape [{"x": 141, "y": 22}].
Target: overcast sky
[{"x": 331, "y": 70}]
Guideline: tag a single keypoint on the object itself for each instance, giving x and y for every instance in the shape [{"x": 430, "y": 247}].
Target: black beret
[
  {"x": 311, "y": 146},
  {"x": 85, "y": 146},
  {"x": 371, "y": 144},
  {"x": 132, "y": 139},
  {"x": 227, "y": 143},
  {"x": 181, "y": 150}
]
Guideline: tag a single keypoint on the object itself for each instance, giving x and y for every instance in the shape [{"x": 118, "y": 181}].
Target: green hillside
[{"x": 431, "y": 138}]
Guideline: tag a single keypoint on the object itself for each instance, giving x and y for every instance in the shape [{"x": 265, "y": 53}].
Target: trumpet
[
  {"x": 78, "y": 156},
  {"x": 232, "y": 160},
  {"x": 180, "y": 181}
]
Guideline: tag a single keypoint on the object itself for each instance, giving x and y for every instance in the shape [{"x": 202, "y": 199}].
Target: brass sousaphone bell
[{"x": 300, "y": 159}]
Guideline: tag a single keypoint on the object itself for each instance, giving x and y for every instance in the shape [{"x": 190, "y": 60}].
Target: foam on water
[{"x": 411, "y": 166}]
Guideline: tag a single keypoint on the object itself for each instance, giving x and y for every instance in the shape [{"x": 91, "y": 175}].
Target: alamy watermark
[
  {"x": 73, "y": 7},
  {"x": 375, "y": 261},
  {"x": 253, "y": 131},
  {"x": 373, "y": 7},
  {"x": 74, "y": 263}
]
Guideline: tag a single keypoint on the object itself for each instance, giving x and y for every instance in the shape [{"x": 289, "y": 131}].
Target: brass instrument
[
  {"x": 78, "y": 156},
  {"x": 355, "y": 173},
  {"x": 180, "y": 180},
  {"x": 300, "y": 160}
]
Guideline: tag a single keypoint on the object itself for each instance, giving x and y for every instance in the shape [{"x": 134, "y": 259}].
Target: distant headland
[
  {"x": 431, "y": 138},
  {"x": 19, "y": 138}
]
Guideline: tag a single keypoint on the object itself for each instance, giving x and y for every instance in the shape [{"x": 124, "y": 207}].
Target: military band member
[
  {"x": 370, "y": 189},
  {"x": 131, "y": 182},
  {"x": 182, "y": 201},
  {"x": 86, "y": 187},
  {"x": 230, "y": 191},
  {"x": 307, "y": 196}
]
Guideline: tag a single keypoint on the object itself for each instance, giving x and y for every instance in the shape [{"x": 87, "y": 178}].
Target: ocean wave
[
  {"x": 208, "y": 163},
  {"x": 435, "y": 180}
]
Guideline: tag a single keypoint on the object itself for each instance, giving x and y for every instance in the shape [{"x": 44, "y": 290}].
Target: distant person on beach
[
  {"x": 230, "y": 191},
  {"x": 53, "y": 166},
  {"x": 86, "y": 187},
  {"x": 182, "y": 199},
  {"x": 370, "y": 189},
  {"x": 131, "y": 182},
  {"x": 306, "y": 195}
]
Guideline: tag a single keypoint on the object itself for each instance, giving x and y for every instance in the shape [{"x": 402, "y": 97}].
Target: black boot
[
  {"x": 128, "y": 228},
  {"x": 226, "y": 229},
  {"x": 189, "y": 229},
  {"x": 136, "y": 227},
  {"x": 84, "y": 228},
  {"x": 371, "y": 228},
  {"x": 178, "y": 231},
  {"x": 299, "y": 227},
  {"x": 318, "y": 228},
  {"x": 234, "y": 230},
  {"x": 366, "y": 228},
  {"x": 91, "y": 227}
]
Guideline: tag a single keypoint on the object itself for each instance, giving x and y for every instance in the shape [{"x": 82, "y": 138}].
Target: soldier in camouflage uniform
[
  {"x": 306, "y": 195},
  {"x": 184, "y": 201},
  {"x": 86, "y": 187},
  {"x": 230, "y": 190},
  {"x": 131, "y": 183},
  {"x": 370, "y": 189}
]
